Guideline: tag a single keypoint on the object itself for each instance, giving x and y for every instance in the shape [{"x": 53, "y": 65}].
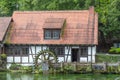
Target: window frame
[
  {"x": 17, "y": 50},
  {"x": 53, "y": 33},
  {"x": 58, "y": 50},
  {"x": 84, "y": 52}
]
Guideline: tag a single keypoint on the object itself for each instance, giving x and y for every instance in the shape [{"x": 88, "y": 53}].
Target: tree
[{"x": 7, "y": 7}]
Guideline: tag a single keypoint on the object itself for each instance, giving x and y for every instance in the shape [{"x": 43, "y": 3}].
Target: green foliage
[
  {"x": 117, "y": 50},
  {"x": 15, "y": 66},
  {"x": 114, "y": 50},
  {"x": 111, "y": 58},
  {"x": 26, "y": 68},
  {"x": 3, "y": 56},
  {"x": 20, "y": 68},
  {"x": 84, "y": 68},
  {"x": 68, "y": 67},
  {"x": 112, "y": 69}
]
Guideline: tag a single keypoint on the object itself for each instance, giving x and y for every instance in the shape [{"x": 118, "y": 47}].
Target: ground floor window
[
  {"x": 17, "y": 50},
  {"x": 84, "y": 51},
  {"x": 59, "y": 50}
]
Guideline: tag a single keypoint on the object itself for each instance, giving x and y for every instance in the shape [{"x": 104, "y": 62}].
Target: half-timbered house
[{"x": 72, "y": 35}]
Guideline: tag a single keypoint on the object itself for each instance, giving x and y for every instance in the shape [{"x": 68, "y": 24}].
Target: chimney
[{"x": 91, "y": 9}]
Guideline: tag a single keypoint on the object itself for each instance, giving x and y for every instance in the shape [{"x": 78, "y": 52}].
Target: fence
[{"x": 88, "y": 67}]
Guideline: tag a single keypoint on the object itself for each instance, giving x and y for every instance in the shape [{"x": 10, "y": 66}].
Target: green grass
[{"x": 111, "y": 58}]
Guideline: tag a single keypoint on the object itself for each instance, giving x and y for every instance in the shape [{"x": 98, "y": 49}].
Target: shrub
[
  {"x": 15, "y": 66},
  {"x": 26, "y": 68},
  {"x": 117, "y": 50},
  {"x": 114, "y": 50},
  {"x": 3, "y": 56}
]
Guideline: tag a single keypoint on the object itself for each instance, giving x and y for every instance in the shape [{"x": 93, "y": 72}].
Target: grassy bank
[{"x": 111, "y": 58}]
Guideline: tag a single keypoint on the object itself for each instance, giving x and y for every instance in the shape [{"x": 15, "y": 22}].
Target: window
[
  {"x": 17, "y": 50},
  {"x": 52, "y": 34},
  {"x": 59, "y": 50},
  {"x": 47, "y": 34},
  {"x": 84, "y": 51},
  {"x": 25, "y": 51}
]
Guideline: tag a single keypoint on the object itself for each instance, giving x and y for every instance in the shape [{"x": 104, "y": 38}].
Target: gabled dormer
[{"x": 53, "y": 28}]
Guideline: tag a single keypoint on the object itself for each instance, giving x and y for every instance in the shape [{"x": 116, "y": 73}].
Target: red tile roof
[
  {"x": 81, "y": 27},
  {"x": 54, "y": 23},
  {"x": 4, "y": 23}
]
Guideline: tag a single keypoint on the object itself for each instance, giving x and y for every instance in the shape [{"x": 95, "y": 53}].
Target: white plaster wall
[
  {"x": 24, "y": 59},
  {"x": 69, "y": 58},
  {"x": 38, "y": 48},
  {"x": 30, "y": 59},
  {"x": 93, "y": 50},
  {"x": 93, "y": 53},
  {"x": 27, "y": 64},
  {"x": 32, "y": 50},
  {"x": 83, "y": 59},
  {"x": 10, "y": 59},
  {"x": 93, "y": 59},
  {"x": 60, "y": 59},
  {"x": 66, "y": 50},
  {"x": 17, "y": 59}
]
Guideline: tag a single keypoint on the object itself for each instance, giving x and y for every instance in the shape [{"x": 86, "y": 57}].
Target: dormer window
[
  {"x": 52, "y": 34},
  {"x": 52, "y": 28}
]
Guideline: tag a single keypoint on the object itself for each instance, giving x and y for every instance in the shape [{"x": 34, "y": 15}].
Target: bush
[
  {"x": 117, "y": 50},
  {"x": 15, "y": 66},
  {"x": 26, "y": 68},
  {"x": 3, "y": 56},
  {"x": 114, "y": 50}
]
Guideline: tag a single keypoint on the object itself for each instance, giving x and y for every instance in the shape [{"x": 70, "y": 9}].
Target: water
[{"x": 22, "y": 76}]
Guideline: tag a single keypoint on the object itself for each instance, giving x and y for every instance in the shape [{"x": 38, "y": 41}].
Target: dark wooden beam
[{"x": 68, "y": 53}]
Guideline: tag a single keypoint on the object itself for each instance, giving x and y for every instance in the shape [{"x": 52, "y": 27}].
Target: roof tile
[
  {"x": 4, "y": 23},
  {"x": 81, "y": 27}
]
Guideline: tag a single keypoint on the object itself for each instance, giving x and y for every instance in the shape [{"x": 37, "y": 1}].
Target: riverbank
[
  {"x": 29, "y": 76},
  {"x": 75, "y": 67}
]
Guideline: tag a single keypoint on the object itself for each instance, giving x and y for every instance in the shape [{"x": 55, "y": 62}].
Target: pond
[{"x": 22, "y": 76}]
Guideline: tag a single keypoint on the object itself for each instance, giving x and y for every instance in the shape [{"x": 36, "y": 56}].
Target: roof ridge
[{"x": 59, "y": 11}]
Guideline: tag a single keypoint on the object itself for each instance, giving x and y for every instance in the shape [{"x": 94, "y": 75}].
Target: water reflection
[{"x": 20, "y": 76}]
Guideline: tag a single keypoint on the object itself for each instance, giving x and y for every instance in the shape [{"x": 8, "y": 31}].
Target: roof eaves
[{"x": 6, "y": 30}]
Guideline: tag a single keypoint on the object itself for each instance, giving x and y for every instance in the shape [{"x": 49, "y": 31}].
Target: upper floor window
[{"x": 52, "y": 34}]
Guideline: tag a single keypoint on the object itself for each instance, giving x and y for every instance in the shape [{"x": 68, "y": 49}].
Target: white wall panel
[
  {"x": 17, "y": 59},
  {"x": 9, "y": 59},
  {"x": 60, "y": 59},
  {"x": 24, "y": 59}
]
